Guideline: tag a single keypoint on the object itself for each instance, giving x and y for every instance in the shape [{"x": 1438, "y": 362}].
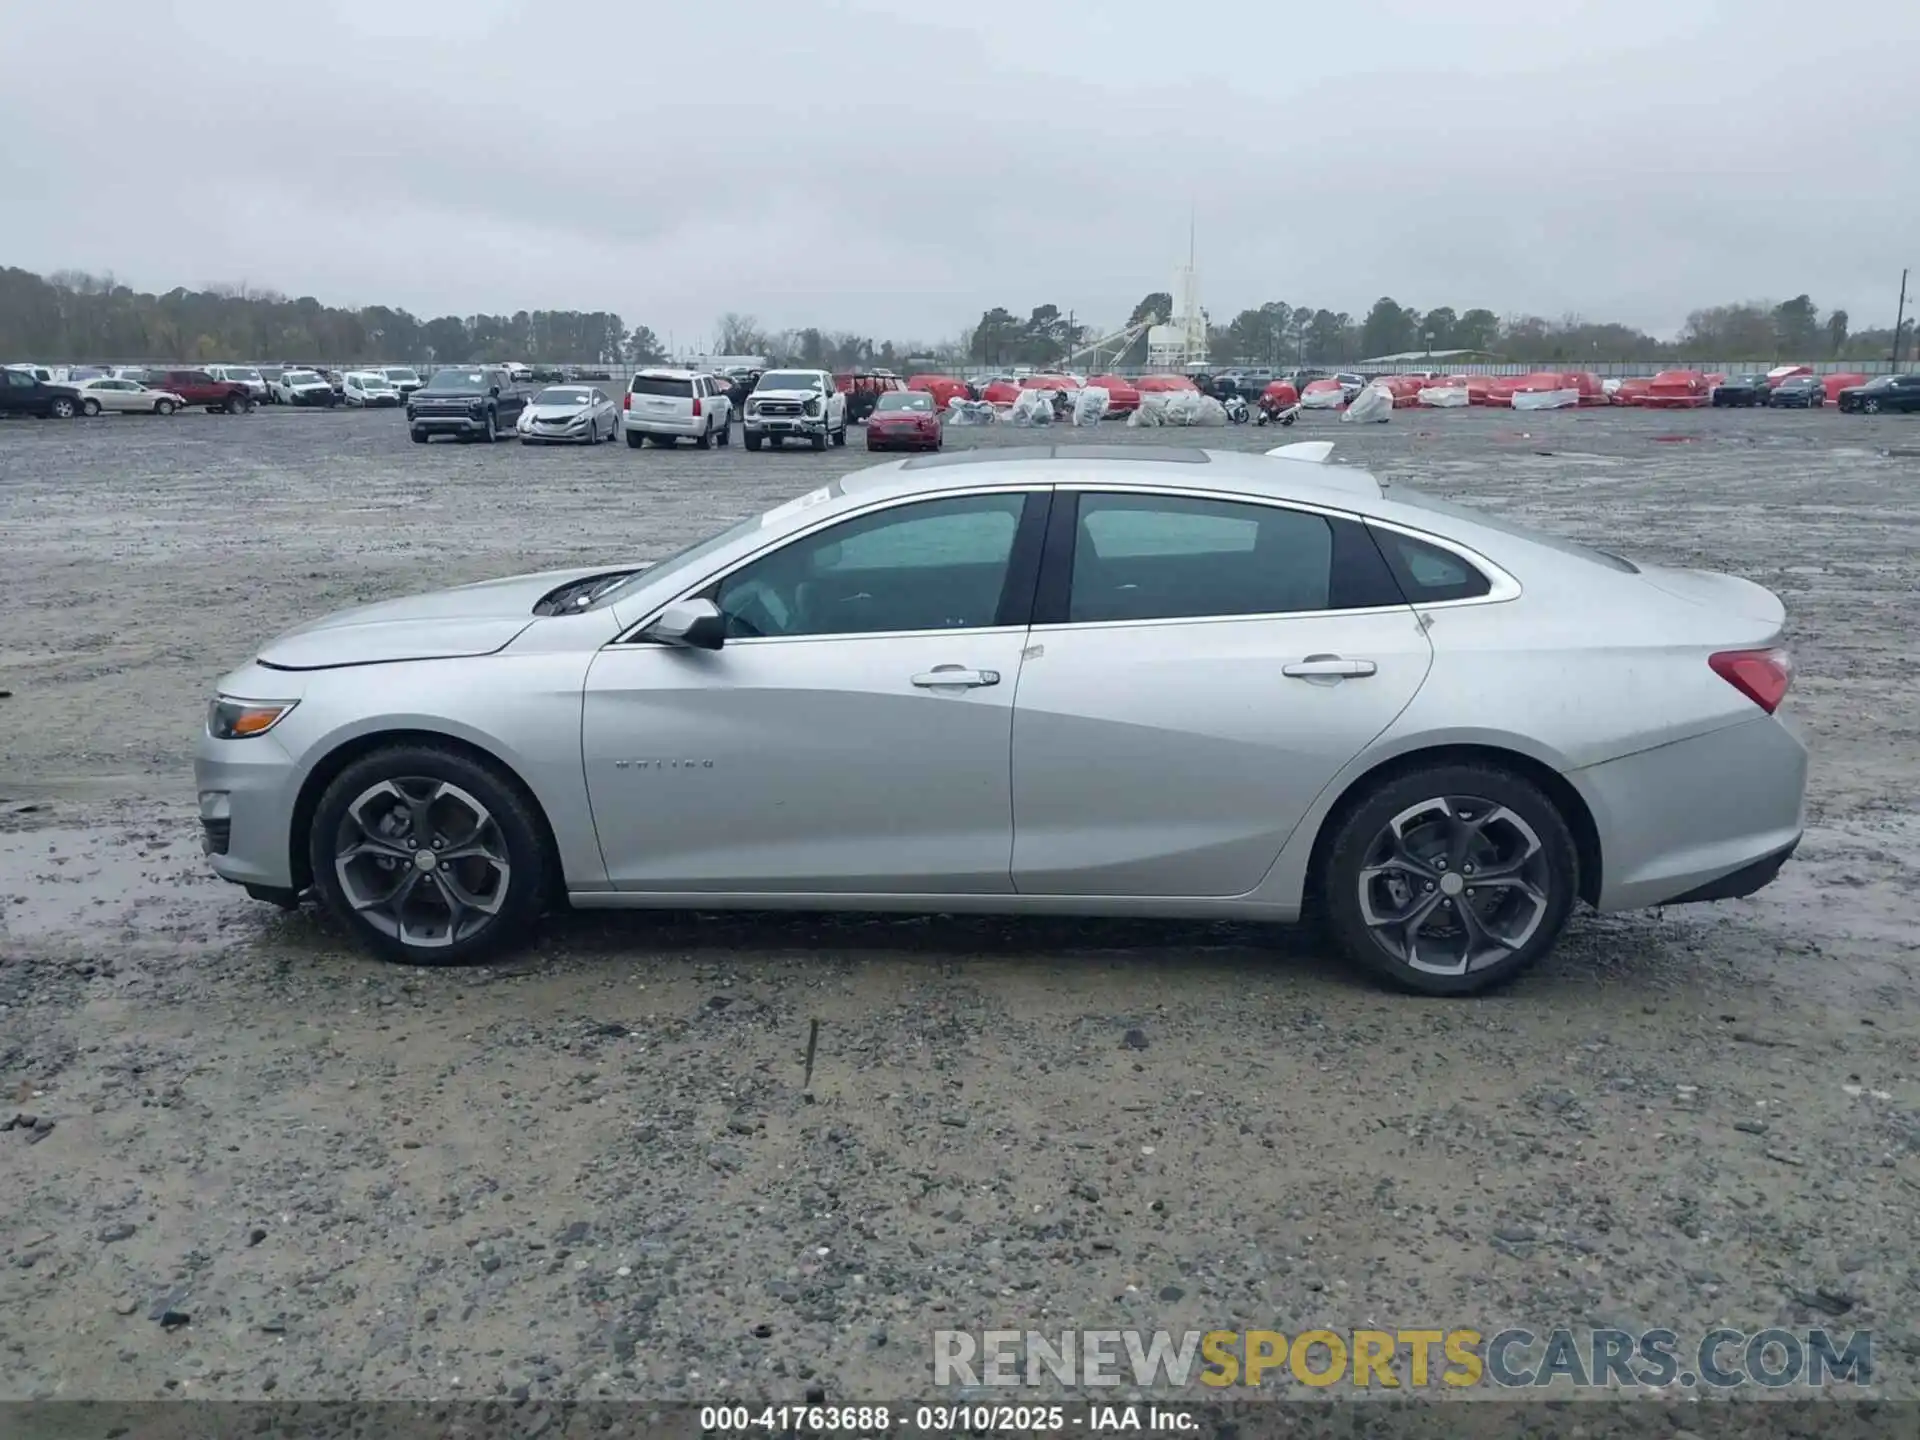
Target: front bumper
[
  {"x": 449, "y": 424},
  {"x": 246, "y": 792},
  {"x": 1683, "y": 821},
  {"x": 538, "y": 434},
  {"x": 785, "y": 424}
]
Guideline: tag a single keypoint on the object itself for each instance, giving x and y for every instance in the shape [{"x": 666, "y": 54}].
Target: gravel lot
[{"x": 592, "y": 1171}]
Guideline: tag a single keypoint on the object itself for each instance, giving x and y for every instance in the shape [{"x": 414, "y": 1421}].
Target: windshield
[
  {"x": 470, "y": 380},
  {"x": 302, "y": 377},
  {"x": 1797, "y": 382},
  {"x": 401, "y": 375},
  {"x": 908, "y": 400},
  {"x": 560, "y": 395},
  {"x": 788, "y": 380},
  {"x": 1508, "y": 527},
  {"x": 372, "y": 382},
  {"x": 1885, "y": 382},
  {"x": 242, "y": 372}
]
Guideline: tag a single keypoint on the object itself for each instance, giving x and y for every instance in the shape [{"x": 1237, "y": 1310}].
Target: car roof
[
  {"x": 665, "y": 372},
  {"x": 1187, "y": 467}
]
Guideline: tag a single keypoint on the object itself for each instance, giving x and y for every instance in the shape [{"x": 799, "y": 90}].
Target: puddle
[{"x": 146, "y": 883}]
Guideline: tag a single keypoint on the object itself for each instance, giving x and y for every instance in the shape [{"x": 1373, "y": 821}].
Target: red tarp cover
[
  {"x": 1001, "y": 392},
  {"x": 942, "y": 387},
  {"x": 1834, "y": 384},
  {"x": 1280, "y": 393},
  {"x": 1677, "y": 390},
  {"x": 1632, "y": 390},
  {"x": 1164, "y": 383},
  {"x": 1049, "y": 382}
]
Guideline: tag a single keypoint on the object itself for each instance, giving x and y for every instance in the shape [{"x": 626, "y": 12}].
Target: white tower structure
[{"x": 1182, "y": 341}]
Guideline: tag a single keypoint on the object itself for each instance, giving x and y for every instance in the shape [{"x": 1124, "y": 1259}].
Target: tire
[
  {"x": 419, "y": 436},
  {"x": 89, "y": 408},
  {"x": 1426, "y": 808},
  {"x": 840, "y": 436},
  {"x": 704, "y": 441},
  {"x": 163, "y": 407},
  {"x": 454, "y": 796},
  {"x": 751, "y": 440},
  {"x": 60, "y": 408},
  {"x": 726, "y": 433},
  {"x": 819, "y": 441},
  {"x": 774, "y": 442},
  {"x": 635, "y": 439},
  {"x": 1872, "y": 407},
  {"x": 493, "y": 428},
  {"x": 239, "y": 405}
]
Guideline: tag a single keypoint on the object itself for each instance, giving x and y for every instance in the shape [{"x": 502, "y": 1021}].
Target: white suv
[
  {"x": 797, "y": 404},
  {"x": 663, "y": 405}
]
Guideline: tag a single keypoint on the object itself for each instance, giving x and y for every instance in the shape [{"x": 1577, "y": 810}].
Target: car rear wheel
[
  {"x": 60, "y": 408},
  {"x": 428, "y": 856},
  {"x": 725, "y": 437},
  {"x": 1872, "y": 407},
  {"x": 704, "y": 440},
  {"x": 635, "y": 439},
  {"x": 89, "y": 408},
  {"x": 1449, "y": 879}
]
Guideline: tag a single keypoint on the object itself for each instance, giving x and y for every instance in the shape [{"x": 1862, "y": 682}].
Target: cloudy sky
[{"x": 893, "y": 167}]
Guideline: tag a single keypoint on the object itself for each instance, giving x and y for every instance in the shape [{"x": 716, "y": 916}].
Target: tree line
[
  {"x": 1278, "y": 333},
  {"x": 72, "y": 316}
]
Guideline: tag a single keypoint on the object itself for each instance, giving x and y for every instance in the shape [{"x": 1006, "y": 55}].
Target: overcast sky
[{"x": 893, "y": 167}]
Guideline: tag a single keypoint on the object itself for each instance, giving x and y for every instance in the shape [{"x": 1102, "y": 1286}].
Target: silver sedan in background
[
  {"x": 1065, "y": 680},
  {"x": 568, "y": 414},
  {"x": 130, "y": 397}
]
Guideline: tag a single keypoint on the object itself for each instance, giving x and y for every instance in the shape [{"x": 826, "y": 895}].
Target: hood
[
  {"x": 474, "y": 619},
  {"x": 559, "y": 412},
  {"x": 785, "y": 395},
  {"x": 307, "y": 384}
]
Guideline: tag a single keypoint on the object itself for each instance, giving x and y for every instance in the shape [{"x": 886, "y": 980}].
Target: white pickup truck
[{"x": 795, "y": 404}]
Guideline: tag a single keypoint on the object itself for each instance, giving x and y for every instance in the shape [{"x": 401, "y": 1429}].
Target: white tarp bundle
[
  {"x": 1090, "y": 405},
  {"x": 1373, "y": 403},
  {"x": 1190, "y": 407},
  {"x": 1609, "y": 385},
  {"x": 971, "y": 412},
  {"x": 1444, "y": 397},
  {"x": 1152, "y": 411},
  {"x": 1322, "y": 399},
  {"x": 1545, "y": 399},
  {"x": 1033, "y": 407}
]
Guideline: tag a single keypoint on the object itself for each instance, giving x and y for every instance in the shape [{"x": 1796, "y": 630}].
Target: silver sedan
[
  {"x": 124, "y": 396},
  {"x": 1066, "y": 680},
  {"x": 568, "y": 414}
]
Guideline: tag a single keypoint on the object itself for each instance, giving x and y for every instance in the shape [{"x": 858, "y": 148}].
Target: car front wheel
[
  {"x": 429, "y": 855},
  {"x": 1449, "y": 879},
  {"x": 1872, "y": 407},
  {"x": 89, "y": 407},
  {"x": 61, "y": 409}
]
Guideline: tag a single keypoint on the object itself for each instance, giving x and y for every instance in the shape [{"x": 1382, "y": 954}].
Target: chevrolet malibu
[{"x": 1060, "y": 680}]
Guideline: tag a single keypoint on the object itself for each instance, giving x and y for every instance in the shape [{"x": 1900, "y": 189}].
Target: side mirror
[
  {"x": 494, "y": 390},
  {"x": 689, "y": 624}
]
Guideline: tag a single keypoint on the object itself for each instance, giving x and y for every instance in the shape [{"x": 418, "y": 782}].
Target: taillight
[
  {"x": 696, "y": 407},
  {"x": 1761, "y": 675},
  {"x": 626, "y": 401}
]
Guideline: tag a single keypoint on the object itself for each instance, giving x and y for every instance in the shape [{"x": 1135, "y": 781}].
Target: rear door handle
[
  {"x": 1329, "y": 667},
  {"x": 958, "y": 676}
]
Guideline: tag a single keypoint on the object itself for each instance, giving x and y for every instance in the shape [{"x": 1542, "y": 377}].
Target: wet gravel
[{"x": 239, "y": 1159}]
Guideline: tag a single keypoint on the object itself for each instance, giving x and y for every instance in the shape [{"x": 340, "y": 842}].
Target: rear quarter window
[{"x": 1427, "y": 573}]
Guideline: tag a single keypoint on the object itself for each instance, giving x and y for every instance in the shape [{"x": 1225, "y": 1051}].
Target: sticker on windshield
[{"x": 795, "y": 507}]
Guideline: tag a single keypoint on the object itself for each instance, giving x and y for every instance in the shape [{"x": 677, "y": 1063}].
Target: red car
[{"x": 904, "y": 420}]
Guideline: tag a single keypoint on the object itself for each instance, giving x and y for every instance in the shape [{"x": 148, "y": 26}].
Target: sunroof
[{"x": 1174, "y": 455}]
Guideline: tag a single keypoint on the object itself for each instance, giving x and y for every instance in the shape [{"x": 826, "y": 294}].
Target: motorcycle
[
  {"x": 1236, "y": 408},
  {"x": 1272, "y": 412}
]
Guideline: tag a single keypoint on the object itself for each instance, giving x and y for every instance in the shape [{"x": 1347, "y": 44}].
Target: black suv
[
  {"x": 24, "y": 393},
  {"x": 472, "y": 402}
]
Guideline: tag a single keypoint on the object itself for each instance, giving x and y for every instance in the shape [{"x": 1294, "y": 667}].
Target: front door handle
[
  {"x": 958, "y": 676},
  {"x": 1329, "y": 667}
]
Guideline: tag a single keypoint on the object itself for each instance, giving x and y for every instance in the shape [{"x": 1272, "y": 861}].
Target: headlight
[
  {"x": 813, "y": 407},
  {"x": 231, "y": 719}
]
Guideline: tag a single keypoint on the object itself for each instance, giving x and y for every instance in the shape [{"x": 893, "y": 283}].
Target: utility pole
[{"x": 1899, "y": 322}]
